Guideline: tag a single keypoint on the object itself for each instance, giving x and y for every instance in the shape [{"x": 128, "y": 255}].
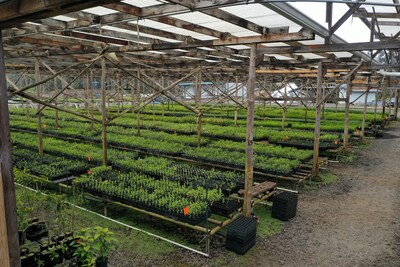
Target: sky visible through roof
[{"x": 352, "y": 31}]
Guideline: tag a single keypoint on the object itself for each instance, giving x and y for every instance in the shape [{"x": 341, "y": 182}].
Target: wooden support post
[
  {"x": 346, "y": 114},
  {"x": 383, "y": 103},
  {"x": 56, "y": 103},
  {"x": 376, "y": 106},
  {"x": 390, "y": 107},
  {"x": 396, "y": 104},
  {"x": 315, "y": 166},
  {"x": 249, "y": 164},
  {"x": 105, "y": 204},
  {"x": 138, "y": 99},
  {"x": 4, "y": 253},
  {"x": 118, "y": 93},
  {"x": 284, "y": 107},
  {"x": 153, "y": 105},
  {"x": 86, "y": 93},
  {"x": 237, "y": 99},
  {"x": 7, "y": 177},
  {"x": 103, "y": 111},
  {"x": 39, "y": 121},
  {"x": 162, "y": 97},
  {"x": 133, "y": 95},
  {"x": 198, "y": 107},
  {"x": 92, "y": 99},
  {"x": 364, "y": 116}
]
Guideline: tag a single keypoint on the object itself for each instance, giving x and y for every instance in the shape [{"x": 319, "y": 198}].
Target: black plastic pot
[{"x": 102, "y": 262}]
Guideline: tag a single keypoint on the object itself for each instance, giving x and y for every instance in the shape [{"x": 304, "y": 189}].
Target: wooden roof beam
[
  {"x": 330, "y": 47},
  {"x": 14, "y": 12}
]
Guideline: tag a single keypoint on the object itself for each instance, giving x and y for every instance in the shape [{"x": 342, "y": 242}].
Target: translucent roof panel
[
  {"x": 214, "y": 24},
  {"x": 133, "y": 32},
  {"x": 173, "y": 29},
  {"x": 279, "y": 57},
  {"x": 310, "y": 55},
  {"x": 380, "y": 9},
  {"x": 142, "y": 3},
  {"x": 342, "y": 54},
  {"x": 64, "y": 18},
  {"x": 353, "y": 30},
  {"x": 262, "y": 16},
  {"x": 100, "y": 11}
]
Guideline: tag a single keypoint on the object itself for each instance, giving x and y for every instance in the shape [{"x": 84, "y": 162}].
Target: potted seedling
[{"x": 93, "y": 245}]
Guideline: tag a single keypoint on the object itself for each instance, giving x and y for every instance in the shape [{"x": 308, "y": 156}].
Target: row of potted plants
[
  {"x": 161, "y": 196},
  {"x": 48, "y": 166},
  {"x": 266, "y": 150},
  {"x": 236, "y": 159}
]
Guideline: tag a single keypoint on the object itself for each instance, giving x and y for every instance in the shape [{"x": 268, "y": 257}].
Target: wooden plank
[
  {"x": 249, "y": 164},
  {"x": 4, "y": 257},
  {"x": 317, "y": 129},
  {"x": 8, "y": 189},
  {"x": 39, "y": 116},
  {"x": 103, "y": 111},
  {"x": 330, "y": 47},
  {"x": 260, "y": 188}
]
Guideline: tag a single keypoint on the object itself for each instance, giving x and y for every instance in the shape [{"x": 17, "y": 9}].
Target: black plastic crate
[
  {"x": 241, "y": 234},
  {"x": 225, "y": 208},
  {"x": 242, "y": 228},
  {"x": 240, "y": 248},
  {"x": 284, "y": 206}
]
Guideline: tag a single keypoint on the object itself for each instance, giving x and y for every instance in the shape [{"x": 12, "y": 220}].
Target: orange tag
[
  {"x": 89, "y": 158},
  {"x": 186, "y": 210},
  {"x": 44, "y": 125},
  {"x": 89, "y": 172},
  {"x": 287, "y": 137}
]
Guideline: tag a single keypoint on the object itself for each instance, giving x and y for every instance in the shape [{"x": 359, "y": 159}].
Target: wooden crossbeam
[{"x": 330, "y": 47}]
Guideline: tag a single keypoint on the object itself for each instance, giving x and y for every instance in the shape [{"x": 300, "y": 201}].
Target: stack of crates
[
  {"x": 241, "y": 235},
  {"x": 284, "y": 206}
]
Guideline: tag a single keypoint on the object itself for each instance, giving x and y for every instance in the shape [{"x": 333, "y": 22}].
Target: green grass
[{"x": 324, "y": 178}]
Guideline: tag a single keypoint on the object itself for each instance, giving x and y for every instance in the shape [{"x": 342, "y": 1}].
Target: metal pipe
[{"x": 389, "y": 73}]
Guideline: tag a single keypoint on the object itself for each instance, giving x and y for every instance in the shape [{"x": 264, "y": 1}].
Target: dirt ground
[{"x": 353, "y": 222}]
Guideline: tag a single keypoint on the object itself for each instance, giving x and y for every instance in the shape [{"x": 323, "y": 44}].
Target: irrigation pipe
[{"x": 123, "y": 224}]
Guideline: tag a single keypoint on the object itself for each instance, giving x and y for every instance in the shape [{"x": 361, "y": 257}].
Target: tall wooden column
[
  {"x": 317, "y": 129},
  {"x": 39, "y": 121},
  {"x": 162, "y": 97},
  {"x": 249, "y": 164},
  {"x": 237, "y": 99},
  {"x": 198, "y": 107},
  {"x": 346, "y": 114},
  {"x": 4, "y": 252},
  {"x": 396, "y": 103},
  {"x": 138, "y": 99},
  {"x": 6, "y": 169},
  {"x": 383, "y": 103},
  {"x": 103, "y": 111},
  {"x": 56, "y": 103},
  {"x": 364, "y": 115}
]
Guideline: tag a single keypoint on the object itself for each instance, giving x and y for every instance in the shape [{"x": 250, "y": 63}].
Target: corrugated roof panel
[
  {"x": 310, "y": 55},
  {"x": 260, "y": 15},
  {"x": 64, "y": 18},
  {"x": 214, "y": 23},
  {"x": 133, "y": 32},
  {"x": 173, "y": 29},
  {"x": 142, "y": 3},
  {"x": 100, "y": 11}
]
